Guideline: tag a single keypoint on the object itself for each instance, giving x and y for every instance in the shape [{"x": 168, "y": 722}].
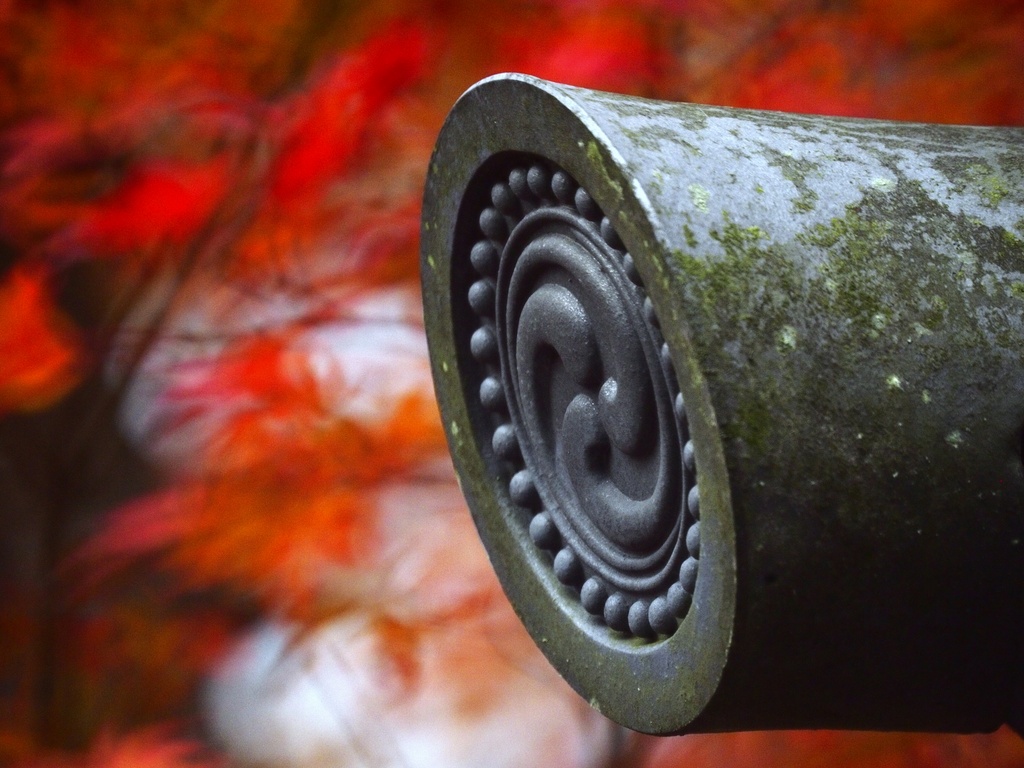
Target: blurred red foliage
[
  {"x": 611, "y": 49},
  {"x": 323, "y": 124},
  {"x": 158, "y": 204},
  {"x": 245, "y": 181}
]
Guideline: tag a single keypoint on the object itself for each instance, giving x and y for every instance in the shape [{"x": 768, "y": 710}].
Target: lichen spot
[
  {"x": 894, "y": 382},
  {"x": 955, "y": 438},
  {"x": 657, "y": 180},
  {"x": 786, "y": 341},
  {"x": 700, "y": 197},
  {"x": 597, "y": 162},
  {"x": 991, "y": 187},
  {"x": 691, "y": 238}
]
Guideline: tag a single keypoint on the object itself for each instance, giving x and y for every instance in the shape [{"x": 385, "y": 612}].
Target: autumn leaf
[
  {"x": 154, "y": 747},
  {"x": 262, "y": 372},
  {"x": 42, "y": 356},
  {"x": 256, "y": 534},
  {"x": 917, "y": 62},
  {"x": 325, "y": 124},
  {"x": 284, "y": 487},
  {"x": 926, "y": 25},
  {"x": 612, "y": 50},
  {"x": 284, "y": 496},
  {"x": 320, "y": 138},
  {"x": 822, "y": 749},
  {"x": 87, "y": 58},
  {"x": 162, "y": 203},
  {"x": 270, "y": 409}
]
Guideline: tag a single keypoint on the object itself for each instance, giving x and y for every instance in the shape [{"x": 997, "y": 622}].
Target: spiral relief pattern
[{"x": 588, "y": 421}]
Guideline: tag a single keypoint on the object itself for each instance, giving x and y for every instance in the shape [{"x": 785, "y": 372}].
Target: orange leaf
[
  {"x": 41, "y": 355},
  {"x": 399, "y": 643},
  {"x": 155, "y": 747},
  {"x": 264, "y": 408},
  {"x": 285, "y": 491},
  {"x": 257, "y": 533},
  {"x": 257, "y": 371}
]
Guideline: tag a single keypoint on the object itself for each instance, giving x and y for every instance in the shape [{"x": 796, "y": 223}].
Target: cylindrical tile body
[{"x": 736, "y": 399}]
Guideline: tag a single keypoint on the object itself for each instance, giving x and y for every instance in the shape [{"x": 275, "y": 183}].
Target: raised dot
[
  {"x": 693, "y": 540},
  {"x": 679, "y": 407},
  {"x": 688, "y": 456},
  {"x": 610, "y": 235},
  {"x": 688, "y": 574},
  {"x": 649, "y": 312},
  {"x": 518, "y": 184},
  {"x": 564, "y": 187},
  {"x": 539, "y": 181},
  {"x": 639, "y": 621},
  {"x": 522, "y": 490},
  {"x": 593, "y": 596},
  {"x": 481, "y": 297},
  {"x": 693, "y": 497},
  {"x": 660, "y": 616},
  {"x": 505, "y": 199},
  {"x": 505, "y": 442},
  {"x": 585, "y": 205},
  {"x": 567, "y": 567},
  {"x": 666, "y": 356},
  {"x": 606, "y": 398},
  {"x": 616, "y": 612},
  {"x": 492, "y": 394},
  {"x": 678, "y": 600},
  {"x": 630, "y": 269},
  {"x": 543, "y": 532},
  {"x": 493, "y": 224},
  {"x": 484, "y": 345},
  {"x": 485, "y": 258}
]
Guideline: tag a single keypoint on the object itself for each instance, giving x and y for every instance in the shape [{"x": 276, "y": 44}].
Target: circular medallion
[{"x": 587, "y": 423}]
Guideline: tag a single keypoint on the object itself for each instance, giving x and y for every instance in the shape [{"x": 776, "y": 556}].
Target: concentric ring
[{"x": 587, "y": 421}]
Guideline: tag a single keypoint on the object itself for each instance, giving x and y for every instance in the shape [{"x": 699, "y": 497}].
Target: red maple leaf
[
  {"x": 41, "y": 355},
  {"x": 160, "y": 203},
  {"x": 608, "y": 50},
  {"x": 324, "y": 125}
]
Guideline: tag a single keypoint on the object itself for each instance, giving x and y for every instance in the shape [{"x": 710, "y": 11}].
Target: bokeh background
[{"x": 229, "y": 531}]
